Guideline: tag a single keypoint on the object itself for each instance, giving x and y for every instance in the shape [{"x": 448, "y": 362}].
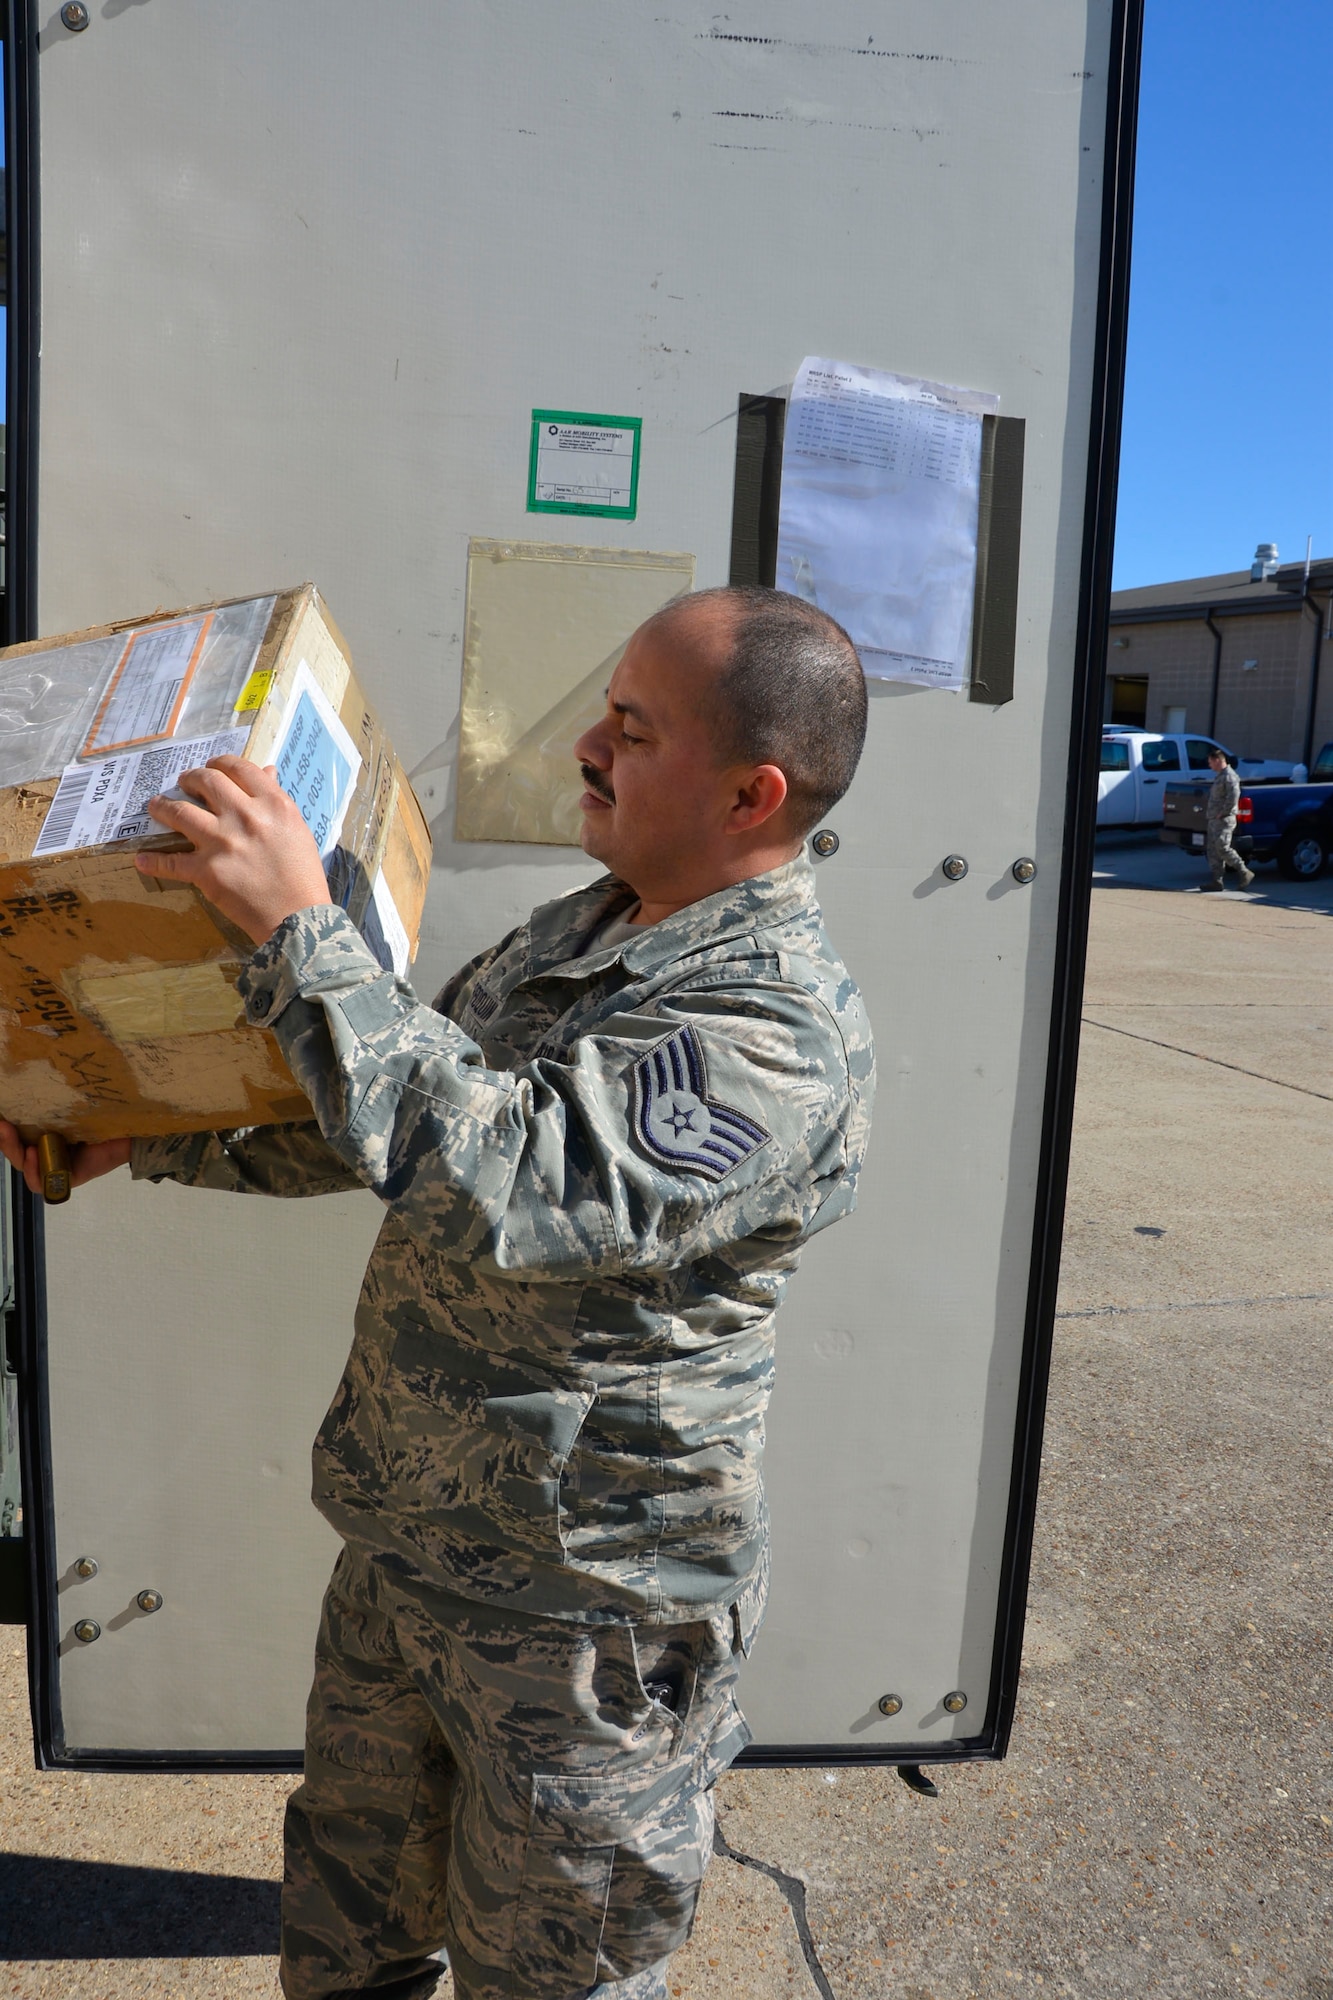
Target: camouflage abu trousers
[
  {"x": 1221, "y": 854},
  {"x": 530, "y": 1794}
]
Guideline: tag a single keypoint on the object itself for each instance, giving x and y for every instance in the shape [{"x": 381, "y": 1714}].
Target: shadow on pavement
[
  {"x": 53, "y": 1908},
  {"x": 1138, "y": 859}
]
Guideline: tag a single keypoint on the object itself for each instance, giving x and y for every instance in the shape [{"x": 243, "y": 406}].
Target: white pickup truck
[{"x": 1137, "y": 766}]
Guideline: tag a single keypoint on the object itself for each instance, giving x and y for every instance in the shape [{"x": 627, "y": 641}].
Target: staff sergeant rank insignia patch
[{"x": 675, "y": 1120}]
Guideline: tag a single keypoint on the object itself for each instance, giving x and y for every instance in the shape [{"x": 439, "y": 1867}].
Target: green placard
[{"x": 584, "y": 464}]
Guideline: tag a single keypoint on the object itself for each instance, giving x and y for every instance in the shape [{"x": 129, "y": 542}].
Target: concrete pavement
[{"x": 1164, "y": 1822}]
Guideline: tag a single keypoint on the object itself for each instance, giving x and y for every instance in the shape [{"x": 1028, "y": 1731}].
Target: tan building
[{"x": 1246, "y": 658}]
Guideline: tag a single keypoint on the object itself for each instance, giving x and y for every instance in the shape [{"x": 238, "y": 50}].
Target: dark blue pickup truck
[{"x": 1289, "y": 824}]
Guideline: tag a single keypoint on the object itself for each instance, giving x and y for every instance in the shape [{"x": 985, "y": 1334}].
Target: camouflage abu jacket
[
  {"x": 1223, "y": 797},
  {"x": 599, "y": 1171}
]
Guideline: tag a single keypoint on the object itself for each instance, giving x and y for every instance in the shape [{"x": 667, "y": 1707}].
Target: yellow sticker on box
[{"x": 253, "y": 693}]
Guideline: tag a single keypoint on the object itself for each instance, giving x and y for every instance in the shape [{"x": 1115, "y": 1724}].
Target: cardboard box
[{"x": 118, "y": 1009}]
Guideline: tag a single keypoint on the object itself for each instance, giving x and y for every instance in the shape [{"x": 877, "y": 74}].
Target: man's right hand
[{"x": 85, "y": 1162}]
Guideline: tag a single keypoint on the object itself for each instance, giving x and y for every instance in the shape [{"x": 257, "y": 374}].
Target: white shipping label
[
  {"x": 318, "y": 763},
  {"x": 103, "y": 800},
  {"x": 147, "y": 691},
  {"x": 384, "y": 930}
]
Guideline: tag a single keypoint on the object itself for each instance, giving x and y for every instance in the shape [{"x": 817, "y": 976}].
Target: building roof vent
[{"x": 1265, "y": 562}]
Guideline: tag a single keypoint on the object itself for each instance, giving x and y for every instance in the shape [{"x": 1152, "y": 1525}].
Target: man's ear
[{"x": 763, "y": 793}]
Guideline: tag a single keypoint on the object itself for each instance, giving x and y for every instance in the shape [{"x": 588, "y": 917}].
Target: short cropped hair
[{"x": 792, "y": 693}]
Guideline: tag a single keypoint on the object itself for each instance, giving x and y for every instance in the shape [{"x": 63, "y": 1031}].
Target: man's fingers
[
  {"x": 225, "y": 784},
  {"x": 181, "y": 816},
  {"x": 167, "y": 867},
  {"x": 216, "y": 788},
  {"x": 247, "y": 777},
  {"x": 221, "y": 779},
  {"x": 164, "y": 810},
  {"x": 11, "y": 1145},
  {"x": 86, "y": 1162},
  {"x": 22, "y": 1158}
]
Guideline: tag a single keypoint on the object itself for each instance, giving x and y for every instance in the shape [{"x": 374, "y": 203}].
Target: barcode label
[
  {"x": 64, "y": 810},
  {"x": 108, "y": 801}
]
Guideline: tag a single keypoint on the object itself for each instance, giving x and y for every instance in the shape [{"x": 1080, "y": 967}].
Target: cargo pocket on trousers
[{"x": 610, "y": 1881}]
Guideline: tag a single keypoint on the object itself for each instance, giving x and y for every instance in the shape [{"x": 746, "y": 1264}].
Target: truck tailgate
[{"x": 1185, "y": 807}]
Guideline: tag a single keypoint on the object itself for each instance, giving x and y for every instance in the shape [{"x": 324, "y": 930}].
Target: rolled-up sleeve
[{"x": 289, "y": 1160}]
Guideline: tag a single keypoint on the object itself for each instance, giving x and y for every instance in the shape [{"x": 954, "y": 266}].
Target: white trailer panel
[{"x": 304, "y": 276}]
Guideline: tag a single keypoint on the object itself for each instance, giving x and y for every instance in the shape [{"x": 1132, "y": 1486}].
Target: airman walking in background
[{"x": 1223, "y": 801}]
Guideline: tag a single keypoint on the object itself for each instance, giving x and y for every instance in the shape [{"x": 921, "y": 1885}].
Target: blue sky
[{"x": 1228, "y": 436}]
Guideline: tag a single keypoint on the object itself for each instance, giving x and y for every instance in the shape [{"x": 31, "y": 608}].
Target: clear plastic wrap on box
[{"x": 54, "y": 704}]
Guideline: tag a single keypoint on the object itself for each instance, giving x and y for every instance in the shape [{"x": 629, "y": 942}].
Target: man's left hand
[
  {"x": 86, "y": 1163},
  {"x": 252, "y": 854}
]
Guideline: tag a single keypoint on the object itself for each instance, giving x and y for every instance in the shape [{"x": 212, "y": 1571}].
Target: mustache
[{"x": 596, "y": 783}]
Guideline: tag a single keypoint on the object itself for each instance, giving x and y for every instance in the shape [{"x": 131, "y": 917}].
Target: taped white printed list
[{"x": 878, "y": 521}]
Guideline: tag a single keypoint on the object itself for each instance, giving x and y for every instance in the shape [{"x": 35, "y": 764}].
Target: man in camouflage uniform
[
  {"x": 1220, "y": 822},
  {"x": 600, "y": 1153}
]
